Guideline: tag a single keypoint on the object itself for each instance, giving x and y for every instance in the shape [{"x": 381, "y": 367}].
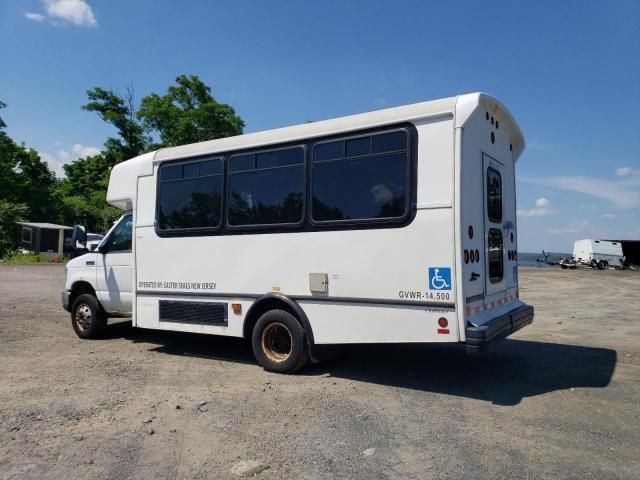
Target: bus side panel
[
  {"x": 387, "y": 264},
  {"x": 435, "y": 166},
  {"x": 144, "y": 216},
  {"x": 384, "y": 264},
  {"x": 357, "y": 323}
]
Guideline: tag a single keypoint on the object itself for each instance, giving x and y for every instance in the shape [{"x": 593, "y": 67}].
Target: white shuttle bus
[{"x": 394, "y": 226}]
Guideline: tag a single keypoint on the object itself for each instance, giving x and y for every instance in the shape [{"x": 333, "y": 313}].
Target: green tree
[
  {"x": 7, "y": 161},
  {"x": 188, "y": 113},
  {"x": 2, "y": 124},
  {"x": 86, "y": 175},
  {"x": 92, "y": 211},
  {"x": 34, "y": 183},
  {"x": 119, "y": 111},
  {"x": 10, "y": 213},
  {"x": 83, "y": 192},
  {"x": 25, "y": 178}
]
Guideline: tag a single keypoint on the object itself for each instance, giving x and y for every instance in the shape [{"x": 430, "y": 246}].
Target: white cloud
[
  {"x": 576, "y": 227},
  {"x": 61, "y": 157},
  {"x": 542, "y": 202},
  {"x": 77, "y": 12},
  {"x": 562, "y": 231},
  {"x": 609, "y": 215},
  {"x": 73, "y": 11},
  {"x": 84, "y": 151},
  {"x": 626, "y": 171},
  {"x": 381, "y": 194},
  {"x": 542, "y": 208},
  {"x": 36, "y": 17},
  {"x": 622, "y": 193}
]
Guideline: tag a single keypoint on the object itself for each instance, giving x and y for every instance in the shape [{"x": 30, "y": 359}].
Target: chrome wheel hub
[
  {"x": 277, "y": 342},
  {"x": 83, "y": 316}
]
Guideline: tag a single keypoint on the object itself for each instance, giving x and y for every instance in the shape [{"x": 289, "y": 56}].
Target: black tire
[
  {"x": 279, "y": 343},
  {"x": 87, "y": 318},
  {"x": 600, "y": 265}
]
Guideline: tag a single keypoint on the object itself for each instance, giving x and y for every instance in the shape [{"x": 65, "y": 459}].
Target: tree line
[{"x": 29, "y": 190}]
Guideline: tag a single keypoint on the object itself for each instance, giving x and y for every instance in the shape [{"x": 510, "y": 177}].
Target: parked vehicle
[
  {"x": 93, "y": 240},
  {"x": 568, "y": 262},
  {"x": 598, "y": 253},
  {"x": 394, "y": 226}
]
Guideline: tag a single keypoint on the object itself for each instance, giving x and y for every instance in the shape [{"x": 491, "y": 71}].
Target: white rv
[
  {"x": 397, "y": 225},
  {"x": 604, "y": 252}
]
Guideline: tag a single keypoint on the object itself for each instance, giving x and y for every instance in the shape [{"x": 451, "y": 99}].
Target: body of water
[{"x": 528, "y": 259}]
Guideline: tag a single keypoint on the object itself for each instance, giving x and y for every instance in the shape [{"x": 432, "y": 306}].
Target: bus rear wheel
[{"x": 279, "y": 342}]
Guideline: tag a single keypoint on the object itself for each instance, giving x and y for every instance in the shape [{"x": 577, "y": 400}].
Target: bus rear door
[{"x": 494, "y": 212}]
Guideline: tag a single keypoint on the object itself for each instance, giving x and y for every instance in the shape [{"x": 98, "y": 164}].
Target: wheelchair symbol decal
[{"x": 439, "y": 278}]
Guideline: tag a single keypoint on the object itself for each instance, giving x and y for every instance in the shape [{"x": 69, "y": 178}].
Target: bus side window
[
  {"x": 266, "y": 188},
  {"x": 190, "y": 195},
  {"x": 361, "y": 179}
]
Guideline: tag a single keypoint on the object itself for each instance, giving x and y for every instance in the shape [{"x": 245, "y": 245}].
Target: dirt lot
[{"x": 560, "y": 399}]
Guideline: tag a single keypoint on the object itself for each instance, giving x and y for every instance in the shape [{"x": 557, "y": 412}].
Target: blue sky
[{"x": 569, "y": 72}]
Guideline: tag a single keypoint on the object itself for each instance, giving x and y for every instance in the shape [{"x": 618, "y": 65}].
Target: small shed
[
  {"x": 630, "y": 250},
  {"x": 46, "y": 239}
]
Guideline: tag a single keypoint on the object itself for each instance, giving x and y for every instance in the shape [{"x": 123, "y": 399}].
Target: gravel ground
[{"x": 559, "y": 399}]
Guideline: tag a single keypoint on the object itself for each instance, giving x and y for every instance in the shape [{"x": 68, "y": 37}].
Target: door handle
[{"x": 89, "y": 262}]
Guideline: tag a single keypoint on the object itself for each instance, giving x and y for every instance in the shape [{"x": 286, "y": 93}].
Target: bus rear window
[
  {"x": 496, "y": 255},
  {"x": 494, "y": 195}
]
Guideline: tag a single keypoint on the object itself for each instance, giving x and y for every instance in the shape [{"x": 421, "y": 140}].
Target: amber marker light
[{"x": 237, "y": 308}]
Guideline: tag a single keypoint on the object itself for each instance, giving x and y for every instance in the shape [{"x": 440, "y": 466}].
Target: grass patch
[{"x": 17, "y": 257}]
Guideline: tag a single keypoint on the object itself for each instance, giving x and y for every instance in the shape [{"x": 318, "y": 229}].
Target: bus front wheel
[
  {"x": 87, "y": 317},
  {"x": 279, "y": 342}
]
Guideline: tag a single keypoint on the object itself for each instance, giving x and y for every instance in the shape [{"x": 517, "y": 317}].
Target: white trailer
[
  {"x": 598, "y": 251},
  {"x": 394, "y": 226}
]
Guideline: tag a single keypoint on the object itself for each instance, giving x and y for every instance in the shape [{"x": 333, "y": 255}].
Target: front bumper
[
  {"x": 484, "y": 337},
  {"x": 65, "y": 300}
]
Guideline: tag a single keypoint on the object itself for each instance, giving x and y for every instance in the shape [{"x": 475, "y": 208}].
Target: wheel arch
[
  {"x": 278, "y": 301},
  {"x": 81, "y": 287}
]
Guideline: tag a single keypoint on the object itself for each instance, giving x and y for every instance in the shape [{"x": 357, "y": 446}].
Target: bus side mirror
[{"x": 79, "y": 238}]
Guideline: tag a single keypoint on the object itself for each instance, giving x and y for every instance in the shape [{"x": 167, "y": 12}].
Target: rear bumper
[
  {"x": 484, "y": 337},
  {"x": 65, "y": 300}
]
